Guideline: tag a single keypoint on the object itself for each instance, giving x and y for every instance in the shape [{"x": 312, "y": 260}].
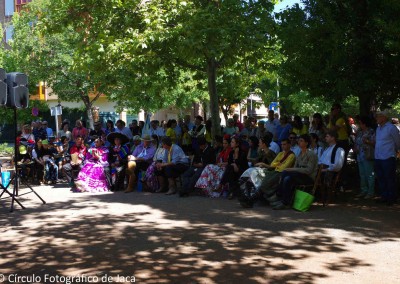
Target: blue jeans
[
  {"x": 287, "y": 185},
  {"x": 386, "y": 174},
  {"x": 51, "y": 171},
  {"x": 367, "y": 176}
]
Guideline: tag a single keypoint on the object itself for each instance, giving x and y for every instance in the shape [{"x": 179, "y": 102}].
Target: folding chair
[
  {"x": 329, "y": 186},
  {"x": 311, "y": 188}
]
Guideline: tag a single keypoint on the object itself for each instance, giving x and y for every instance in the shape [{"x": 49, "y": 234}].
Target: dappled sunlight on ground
[{"x": 165, "y": 239}]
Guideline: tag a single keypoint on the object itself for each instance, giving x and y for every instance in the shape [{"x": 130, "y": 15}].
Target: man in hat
[
  {"x": 205, "y": 156},
  {"x": 140, "y": 160},
  {"x": 136, "y": 141},
  {"x": 387, "y": 144}
]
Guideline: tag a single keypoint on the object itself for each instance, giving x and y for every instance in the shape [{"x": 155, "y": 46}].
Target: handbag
[
  {"x": 369, "y": 152},
  {"x": 302, "y": 200}
]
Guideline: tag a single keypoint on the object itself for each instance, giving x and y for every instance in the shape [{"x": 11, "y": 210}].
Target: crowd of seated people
[{"x": 264, "y": 160}]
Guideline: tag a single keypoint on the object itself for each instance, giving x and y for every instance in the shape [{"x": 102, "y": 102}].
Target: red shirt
[
  {"x": 83, "y": 132},
  {"x": 81, "y": 151}
]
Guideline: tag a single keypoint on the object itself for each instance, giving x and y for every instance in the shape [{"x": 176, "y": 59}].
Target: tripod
[{"x": 17, "y": 176}]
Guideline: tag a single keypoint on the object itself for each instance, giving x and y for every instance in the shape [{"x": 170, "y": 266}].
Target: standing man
[
  {"x": 79, "y": 131},
  {"x": 188, "y": 123},
  {"x": 386, "y": 147},
  {"x": 97, "y": 131},
  {"x": 135, "y": 129},
  {"x": 121, "y": 128},
  {"x": 237, "y": 122},
  {"x": 48, "y": 130},
  {"x": 272, "y": 124},
  {"x": 338, "y": 122}
]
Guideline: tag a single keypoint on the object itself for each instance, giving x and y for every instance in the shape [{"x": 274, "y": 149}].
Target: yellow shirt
[
  {"x": 288, "y": 163},
  {"x": 342, "y": 131},
  {"x": 171, "y": 134},
  {"x": 302, "y": 131}
]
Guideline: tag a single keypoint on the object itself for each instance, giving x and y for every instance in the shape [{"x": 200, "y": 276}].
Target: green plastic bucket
[{"x": 302, "y": 200}]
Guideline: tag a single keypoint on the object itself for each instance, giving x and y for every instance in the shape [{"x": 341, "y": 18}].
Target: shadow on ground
[{"x": 166, "y": 239}]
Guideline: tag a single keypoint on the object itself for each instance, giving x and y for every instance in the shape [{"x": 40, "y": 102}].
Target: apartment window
[
  {"x": 9, "y": 33},
  {"x": 21, "y": 3},
  {"x": 9, "y": 7}
]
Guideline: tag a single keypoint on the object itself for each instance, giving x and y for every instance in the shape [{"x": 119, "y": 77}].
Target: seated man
[
  {"x": 140, "y": 160},
  {"x": 204, "y": 156},
  {"x": 79, "y": 151},
  {"x": 283, "y": 160},
  {"x": 332, "y": 159},
  {"x": 303, "y": 172},
  {"x": 174, "y": 163}
]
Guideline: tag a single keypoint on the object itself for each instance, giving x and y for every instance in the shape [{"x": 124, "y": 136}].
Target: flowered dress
[
  {"x": 212, "y": 174},
  {"x": 92, "y": 177},
  {"x": 150, "y": 177}
]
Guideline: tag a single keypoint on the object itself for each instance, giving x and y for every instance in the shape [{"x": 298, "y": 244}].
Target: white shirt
[
  {"x": 296, "y": 150},
  {"x": 326, "y": 159},
  {"x": 126, "y": 131},
  {"x": 274, "y": 147},
  {"x": 271, "y": 126}
]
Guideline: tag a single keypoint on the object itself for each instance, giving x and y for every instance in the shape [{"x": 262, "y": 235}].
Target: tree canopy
[
  {"x": 337, "y": 49},
  {"x": 161, "y": 51}
]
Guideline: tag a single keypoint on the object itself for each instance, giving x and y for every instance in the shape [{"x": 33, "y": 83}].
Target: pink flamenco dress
[{"x": 92, "y": 177}]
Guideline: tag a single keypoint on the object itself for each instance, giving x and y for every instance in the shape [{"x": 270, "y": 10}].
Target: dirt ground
[{"x": 154, "y": 238}]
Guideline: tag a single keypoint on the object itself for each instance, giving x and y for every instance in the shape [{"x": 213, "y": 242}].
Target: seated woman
[
  {"x": 174, "y": 163},
  {"x": 268, "y": 180},
  {"x": 117, "y": 159},
  {"x": 140, "y": 160},
  {"x": 237, "y": 164},
  {"x": 253, "y": 153},
  {"x": 93, "y": 177},
  {"x": 253, "y": 176},
  {"x": 303, "y": 172},
  {"x": 211, "y": 176}
]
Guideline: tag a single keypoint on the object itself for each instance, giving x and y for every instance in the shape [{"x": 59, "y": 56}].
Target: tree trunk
[
  {"x": 88, "y": 106},
  {"x": 365, "y": 104},
  {"x": 212, "y": 91}
]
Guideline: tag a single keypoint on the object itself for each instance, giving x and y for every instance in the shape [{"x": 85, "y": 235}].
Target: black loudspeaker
[
  {"x": 18, "y": 93},
  {"x": 3, "y": 87}
]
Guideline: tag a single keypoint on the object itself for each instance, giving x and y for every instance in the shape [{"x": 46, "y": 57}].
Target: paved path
[{"x": 166, "y": 239}]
